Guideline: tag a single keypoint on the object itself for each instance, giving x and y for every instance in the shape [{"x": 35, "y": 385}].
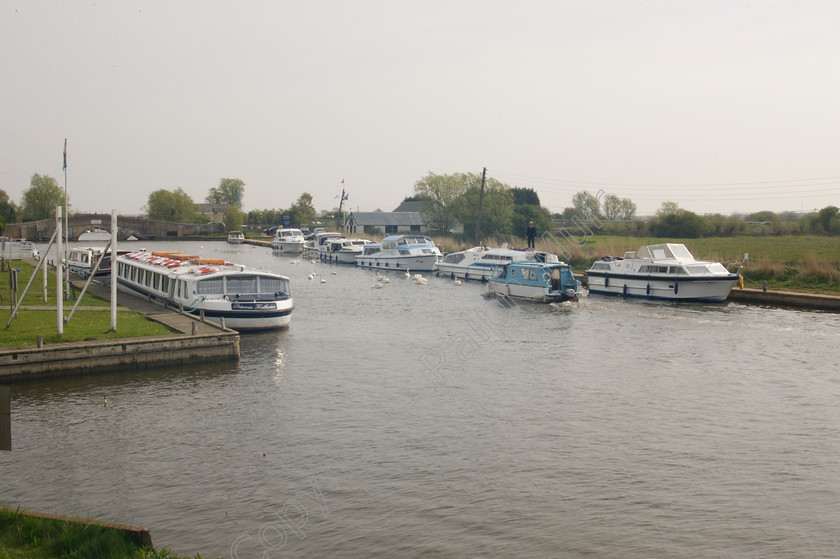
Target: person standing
[{"x": 531, "y": 234}]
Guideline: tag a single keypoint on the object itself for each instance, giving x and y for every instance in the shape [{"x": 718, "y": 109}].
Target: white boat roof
[{"x": 665, "y": 251}]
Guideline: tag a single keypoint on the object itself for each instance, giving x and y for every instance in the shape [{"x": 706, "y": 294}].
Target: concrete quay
[{"x": 195, "y": 342}]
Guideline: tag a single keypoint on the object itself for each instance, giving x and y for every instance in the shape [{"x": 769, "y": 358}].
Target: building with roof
[{"x": 388, "y": 223}]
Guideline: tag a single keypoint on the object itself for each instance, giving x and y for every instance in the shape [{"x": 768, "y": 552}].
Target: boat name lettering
[{"x": 253, "y": 306}]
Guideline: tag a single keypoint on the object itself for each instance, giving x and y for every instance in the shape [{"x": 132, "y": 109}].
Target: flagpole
[{"x": 66, "y": 228}]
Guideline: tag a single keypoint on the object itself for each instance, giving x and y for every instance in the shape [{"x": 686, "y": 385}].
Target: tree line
[{"x": 451, "y": 203}]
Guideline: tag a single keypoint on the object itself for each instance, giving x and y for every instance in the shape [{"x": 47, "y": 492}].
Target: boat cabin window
[
  {"x": 273, "y": 285},
  {"x": 600, "y": 266},
  {"x": 209, "y": 286},
  {"x": 241, "y": 284},
  {"x": 653, "y": 269},
  {"x": 454, "y": 258},
  {"x": 677, "y": 270},
  {"x": 528, "y": 274}
]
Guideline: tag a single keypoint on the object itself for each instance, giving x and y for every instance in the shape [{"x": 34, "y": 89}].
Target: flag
[
  {"x": 337, "y": 196},
  {"x": 64, "y": 168},
  {"x": 346, "y": 196},
  {"x": 342, "y": 181}
]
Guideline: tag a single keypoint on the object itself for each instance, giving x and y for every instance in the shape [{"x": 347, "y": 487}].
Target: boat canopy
[{"x": 668, "y": 251}]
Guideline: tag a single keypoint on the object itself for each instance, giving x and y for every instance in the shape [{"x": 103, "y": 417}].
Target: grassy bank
[
  {"x": 39, "y": 317},
  {"x": 27, "y": 537},
  {"x": 807, "y": 264}
]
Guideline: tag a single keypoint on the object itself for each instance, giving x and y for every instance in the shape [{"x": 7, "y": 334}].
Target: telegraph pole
[{"x": 480, "y": 202}]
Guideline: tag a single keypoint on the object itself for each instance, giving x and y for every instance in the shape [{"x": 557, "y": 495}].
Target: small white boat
[
  {"x": 96, "y": 234},
  {"x": 528, "y": 280},
  {"x": 343, "y": 251},
  {"x": 287, "y": 240},
  {"x": 398, "y": 252},
  {"x": 667, "y": 271},
  {"x": 236, "y": 237},
  {"x": 479, "y": 263},
  {"x": 82, "y": 260},
  {"x": 246, "y": 299}
]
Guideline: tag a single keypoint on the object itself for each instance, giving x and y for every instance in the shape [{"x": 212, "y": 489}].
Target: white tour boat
[
  {"x": 529, "y": 280},
  {"x": 246, "y": 299},
  {"x": 287, "y": 240},
  {"x": 236, "y": 237},
  {"x": 666, "y": 271},
  {"x": 343, "y": 251},
  {"x": 398, "y": 252},
  {"x": 480, "y": 262}
]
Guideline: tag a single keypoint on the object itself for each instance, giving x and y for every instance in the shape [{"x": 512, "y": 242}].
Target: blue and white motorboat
[
  {"x": 399, "y": 252},
  {"x": 528, "y": 280},
  {"x": 479, "y": 263},
  {"x": 666, "y": 271}
]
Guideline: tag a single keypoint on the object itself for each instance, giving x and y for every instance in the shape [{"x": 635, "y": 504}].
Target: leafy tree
[
  {"x": 827, "y": 220},
  {"x": 8, "y": 210},
  {"x": 175, "y": 205},
  {"x": 525, "y": 196},
  {"x": 229, "y": 193},
  {"x": 524, "y": 213},
  {"x": 234, "y": 218},
  {"x": 763, "y": 217},
  {"x": 441, "y": 194},
  {"x": 685, "y": 224},
  {"x": 496, "y": 207},
  {"x": 302, "y": 211},
  {"x": 586, "y": 204},
  {"x": 669, "y": 208},
  {"x": 41, "y": 198},
  {"x": 616, "y": 208}
]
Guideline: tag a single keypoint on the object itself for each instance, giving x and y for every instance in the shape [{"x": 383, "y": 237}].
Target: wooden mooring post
[{"x": 5, "y": 418}]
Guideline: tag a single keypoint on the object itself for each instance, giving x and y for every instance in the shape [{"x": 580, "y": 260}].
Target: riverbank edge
[
  {"x": 770, "y": 298},
  {"x": 123, "y": 354},
  {"x": 142, "y": 537}
]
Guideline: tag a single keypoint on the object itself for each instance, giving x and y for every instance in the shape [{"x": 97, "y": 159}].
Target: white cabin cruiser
[
  {"x": 243, "y": 298},
  {"x": 343, "y": 251},
  {"x": 236, "y": 237},
  {"x": 287, "y": 240},
  {"x": 315, "y": 245},
  {"x": 666, "y": 271},
  {"x": 398, "y": 252},
  {"x": 479, "y": 263}
]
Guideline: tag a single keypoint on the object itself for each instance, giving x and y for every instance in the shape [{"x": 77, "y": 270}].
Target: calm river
[{"x": 429, "y": 421}]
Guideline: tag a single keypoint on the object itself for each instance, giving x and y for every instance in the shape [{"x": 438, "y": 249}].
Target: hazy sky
[{"x": 721, "y": 106}]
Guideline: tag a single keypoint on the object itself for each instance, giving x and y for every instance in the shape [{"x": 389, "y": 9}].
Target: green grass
[
  {"x": 28, "y": 537},
  {"x": 85, "y": 324}
]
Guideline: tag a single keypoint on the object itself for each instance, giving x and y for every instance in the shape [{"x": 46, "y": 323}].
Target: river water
[{"x": 430, "y": 421}]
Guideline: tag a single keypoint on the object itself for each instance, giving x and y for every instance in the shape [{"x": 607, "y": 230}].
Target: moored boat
[
  {"x": 529, "y": 280},
  {"x": 479, "y": 263},
  {"x": 287, "y": 240},
  {"x": 82, "y": 261},
  {"x": 236, "y": 237},
  {"x": 244, "y": 299},
  {"x": 665, "y": 271},
  {"x": 398, "y": 252},
  {"x": 315, "y": 245},
  {"x": 343, "y": 251}
]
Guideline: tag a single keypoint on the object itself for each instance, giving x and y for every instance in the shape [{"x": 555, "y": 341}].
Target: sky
[{"x": 722, "y": 106}]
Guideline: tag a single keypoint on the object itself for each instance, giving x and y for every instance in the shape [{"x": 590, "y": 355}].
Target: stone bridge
[{"x": 140, "y": 227}]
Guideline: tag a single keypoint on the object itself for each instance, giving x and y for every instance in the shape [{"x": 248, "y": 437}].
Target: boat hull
[
  {"x": 416, "y": 263},
  {"x": 475, "y": 272},
  {"x": 240, "y": 316},
  {"x": 712, "y": 290},
  {"x": 285, "y": 246}
]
